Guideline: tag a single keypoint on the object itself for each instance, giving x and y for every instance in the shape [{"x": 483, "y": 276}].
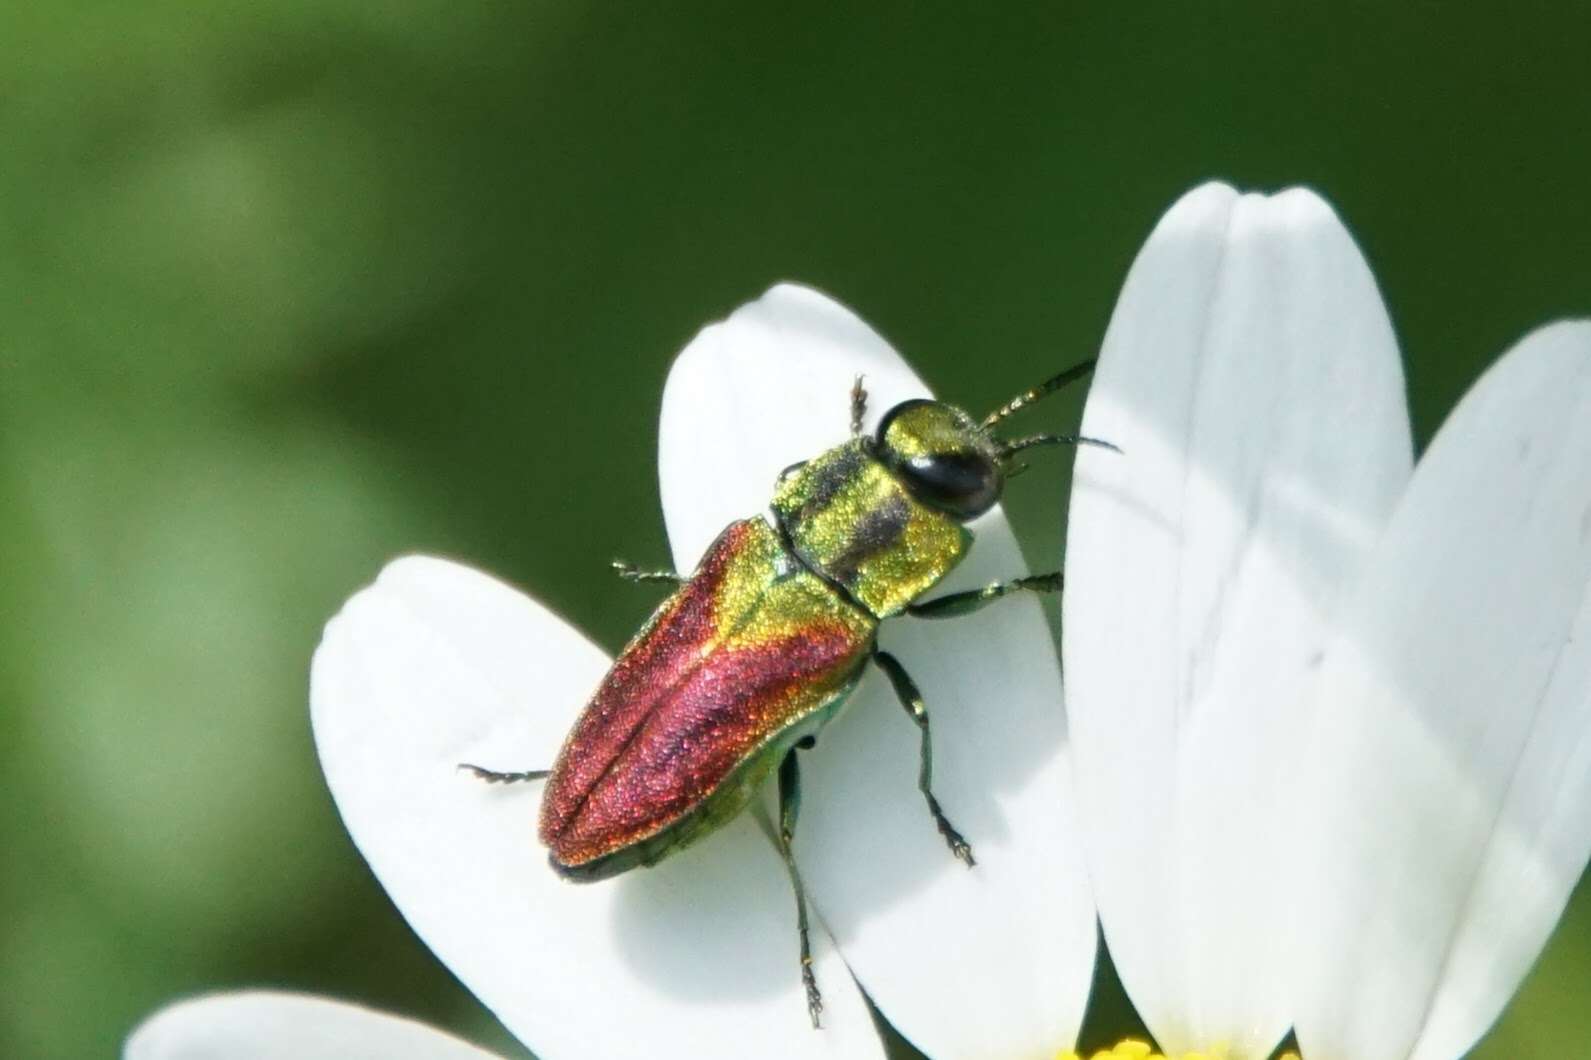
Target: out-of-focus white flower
[{"x": 1331, "y": 711}]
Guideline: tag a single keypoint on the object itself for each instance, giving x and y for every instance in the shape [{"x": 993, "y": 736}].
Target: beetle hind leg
[
  {"x": 912, "y": 699},
  {"x": 492, "y": 776},
  {"x": 789, "y": 809}
]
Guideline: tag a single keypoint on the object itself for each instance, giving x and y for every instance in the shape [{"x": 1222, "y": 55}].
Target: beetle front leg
[
  {"x": 631, "y": 573},
  {"x": 956, "y": 604},
  {"x": 789, "y": 810},
  {"x": 858, "y": 405},
  {"x": 910, "y": 698}
]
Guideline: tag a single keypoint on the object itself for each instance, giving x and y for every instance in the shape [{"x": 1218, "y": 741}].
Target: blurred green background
[{"x": 288, "y": 287}]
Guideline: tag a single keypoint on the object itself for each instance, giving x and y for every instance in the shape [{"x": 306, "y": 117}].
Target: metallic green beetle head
[
  {"x": 943, "y": 456},
  {"x": 956, "y": 464}
]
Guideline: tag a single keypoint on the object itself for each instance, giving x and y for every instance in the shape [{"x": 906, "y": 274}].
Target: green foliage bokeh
[{"x": 287, "y": 288}]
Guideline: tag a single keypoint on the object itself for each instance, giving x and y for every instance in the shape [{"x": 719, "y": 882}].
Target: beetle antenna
[
  {"x": 1043, "y": 390},
  {"x": 1016, "y": 445}
]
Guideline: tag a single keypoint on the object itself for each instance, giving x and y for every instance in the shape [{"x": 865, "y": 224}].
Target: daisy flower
[{"x": 1331, "y": 710}]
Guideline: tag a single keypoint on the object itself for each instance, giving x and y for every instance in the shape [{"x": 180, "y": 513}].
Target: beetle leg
[
  {"x": 910, "y": 698},
  {"x": 631, "y": 573},
  {"x": 789, "y": 809},
  {"x": 858, "y": 405},
  {"x": 956, "y": 604},
  {"x": 492, "y": 776}
]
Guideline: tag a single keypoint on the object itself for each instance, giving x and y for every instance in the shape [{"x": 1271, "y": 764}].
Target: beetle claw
[
  {"x": 814, "y": 999},
  {"x": 958, "y": 846}
]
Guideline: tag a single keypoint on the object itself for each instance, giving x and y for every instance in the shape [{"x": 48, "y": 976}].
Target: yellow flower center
[{"x": 1133, "y": 1049}]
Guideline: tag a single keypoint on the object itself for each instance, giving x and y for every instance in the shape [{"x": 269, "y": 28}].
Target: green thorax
[{"x": 851, "y": 519}]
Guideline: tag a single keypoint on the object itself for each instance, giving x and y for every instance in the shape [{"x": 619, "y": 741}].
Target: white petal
[
  {"x": 264, "y": 1025},
  {"x": 1251, "y": 378},
  {"x": 992, "y": 961},
  {"x": 1450, "y": 810},
  {"x": 436, "y": 665},
  {"x": 753, "y": 394}
]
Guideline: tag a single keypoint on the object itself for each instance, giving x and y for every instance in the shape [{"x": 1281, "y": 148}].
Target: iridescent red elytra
[
  {"x": 758, "y": 649},
  {"x": 748, "y": 648}
]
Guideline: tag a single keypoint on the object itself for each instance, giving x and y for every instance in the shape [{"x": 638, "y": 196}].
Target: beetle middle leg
[
  {"x": 957, "y": 604},
  {"x": 492, "y": 776},
  {"x": 789, "y": 810},
  {"x": 631, "y": 573},
  {"x": 912, "y": 699}
]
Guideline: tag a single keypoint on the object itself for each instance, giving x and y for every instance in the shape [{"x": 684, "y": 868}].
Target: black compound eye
[
  {"x": 942, "y": 456},
  {"x": 964, "y": 483}
]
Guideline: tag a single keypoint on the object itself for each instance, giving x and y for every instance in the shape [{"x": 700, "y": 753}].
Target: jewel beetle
[{"x": 753, "y": 653}]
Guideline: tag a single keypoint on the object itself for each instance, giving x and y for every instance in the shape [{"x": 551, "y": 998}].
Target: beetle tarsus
[
  {"x": 631, "y": 573},
  {"x": 814, "y": 998},
  {"x": 858, "y": 405},
  {"x": 789, "y": 810},
  {"x": 954, "y": 605},
  {"x": 953, "y": 839},
  {"x": 492, "y": 776}
]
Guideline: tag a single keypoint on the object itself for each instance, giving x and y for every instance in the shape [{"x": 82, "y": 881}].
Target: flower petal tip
[{"x": 272, "y": 1025}]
